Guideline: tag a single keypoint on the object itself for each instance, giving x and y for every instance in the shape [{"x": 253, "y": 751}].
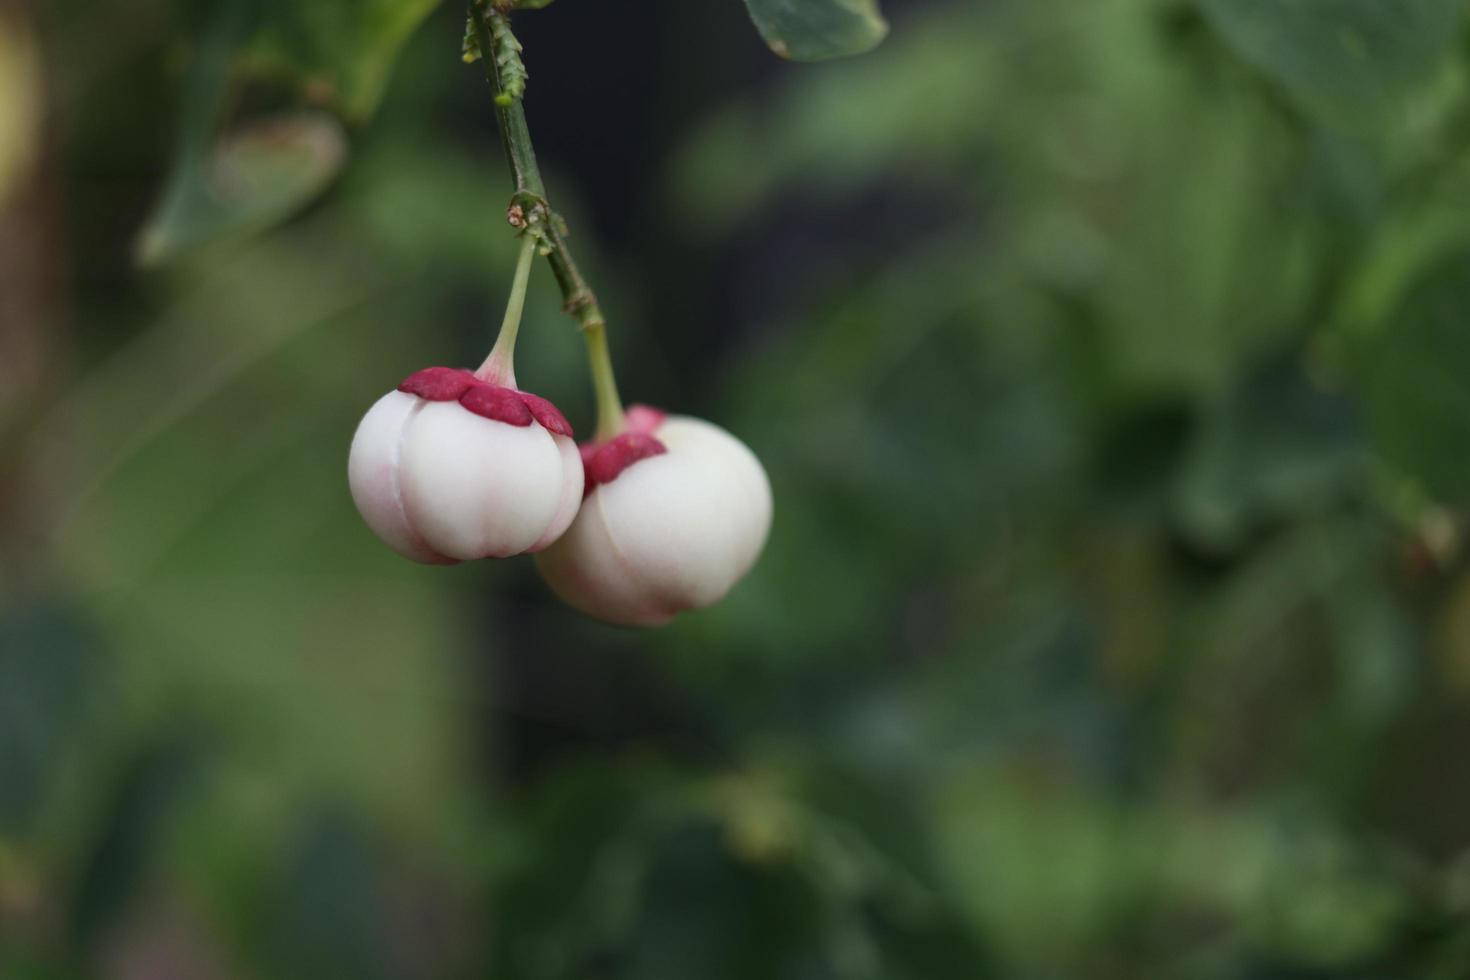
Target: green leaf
[
  {"x": 1275, "y": 448},
  {"x": 814, "y": 30},
  {"x": 250, "y": 180},
  {"x": 1413, "y": 371},
  {"x": 337, "y": 51},
  {"x": 234, "y": 180},
  {"x": 46, "y": 659},
  {"x": 1350, "y": 62}
]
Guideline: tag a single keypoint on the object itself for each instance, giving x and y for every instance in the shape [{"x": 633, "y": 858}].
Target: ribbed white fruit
[
  {"x": 440, "y": 484},
  {"x": 670, "y": 533}
]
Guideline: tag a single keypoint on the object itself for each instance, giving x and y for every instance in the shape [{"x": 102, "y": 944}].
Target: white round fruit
[
  {"x": 669, "y": 531},
  {"x": 440, "y": 480}
]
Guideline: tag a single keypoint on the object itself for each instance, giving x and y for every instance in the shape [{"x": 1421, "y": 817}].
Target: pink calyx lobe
[
  {"x": 603, "y": 462},
  {"x": 509, "y": 405}
]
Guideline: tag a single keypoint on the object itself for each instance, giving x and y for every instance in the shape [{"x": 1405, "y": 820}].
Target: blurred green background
[{"x": 1110, "y": 362}]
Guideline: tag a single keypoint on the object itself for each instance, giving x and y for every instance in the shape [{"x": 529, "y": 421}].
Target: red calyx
[
  {"x": 642, "y": 418},
  {"x": 604, "y": 461},
  {"x": 508, "y": 405}
]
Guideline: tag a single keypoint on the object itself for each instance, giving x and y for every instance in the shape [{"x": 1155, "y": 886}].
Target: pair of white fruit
[{"x": 665, "y": 517}]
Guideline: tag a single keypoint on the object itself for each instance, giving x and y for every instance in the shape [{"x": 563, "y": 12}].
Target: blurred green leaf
[
  {"x": 149, "y": 789},
  {"x": 814, "y": 30},
  {"x": 330, "y": 914},
  {"x": 340, "y": 52},
  {"x": 1044, "y": 870},
  {"x": 1351, "y": 62},
  {"x": 259, "y": 171},
  {"x": 1414, "y": 372},
  {"x": 46, "y": 661},
  {"x": 1279, "y": 447},
  {"x": 1323, "y": 903},
  {"x": 254, "y": 178}
]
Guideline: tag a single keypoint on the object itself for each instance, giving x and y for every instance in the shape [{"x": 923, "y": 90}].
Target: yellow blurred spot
[
  {"x": 1452, "y": 637},
  {"x": 20, "y": 103},
  {"x": 760, "y": 825}
]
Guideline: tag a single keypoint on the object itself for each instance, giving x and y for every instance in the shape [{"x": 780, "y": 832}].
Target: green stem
[
  {"x": 515, "y": 134},
  {"x": 529, "y": 207},
  {"x": 610, "y": 419},
  {"x": 500, "y": 367}
]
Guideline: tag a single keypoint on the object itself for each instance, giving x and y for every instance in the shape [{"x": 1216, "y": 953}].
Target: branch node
[{"x": 528, "y": 212}]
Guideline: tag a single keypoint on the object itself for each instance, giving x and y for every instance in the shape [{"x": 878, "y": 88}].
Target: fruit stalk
[
  {"x": 530, "y": 206},
  {"x": 499, "y": 368}
]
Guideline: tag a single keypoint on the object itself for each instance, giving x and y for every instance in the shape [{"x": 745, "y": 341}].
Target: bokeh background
[{"x": 1110, "y": 362}]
